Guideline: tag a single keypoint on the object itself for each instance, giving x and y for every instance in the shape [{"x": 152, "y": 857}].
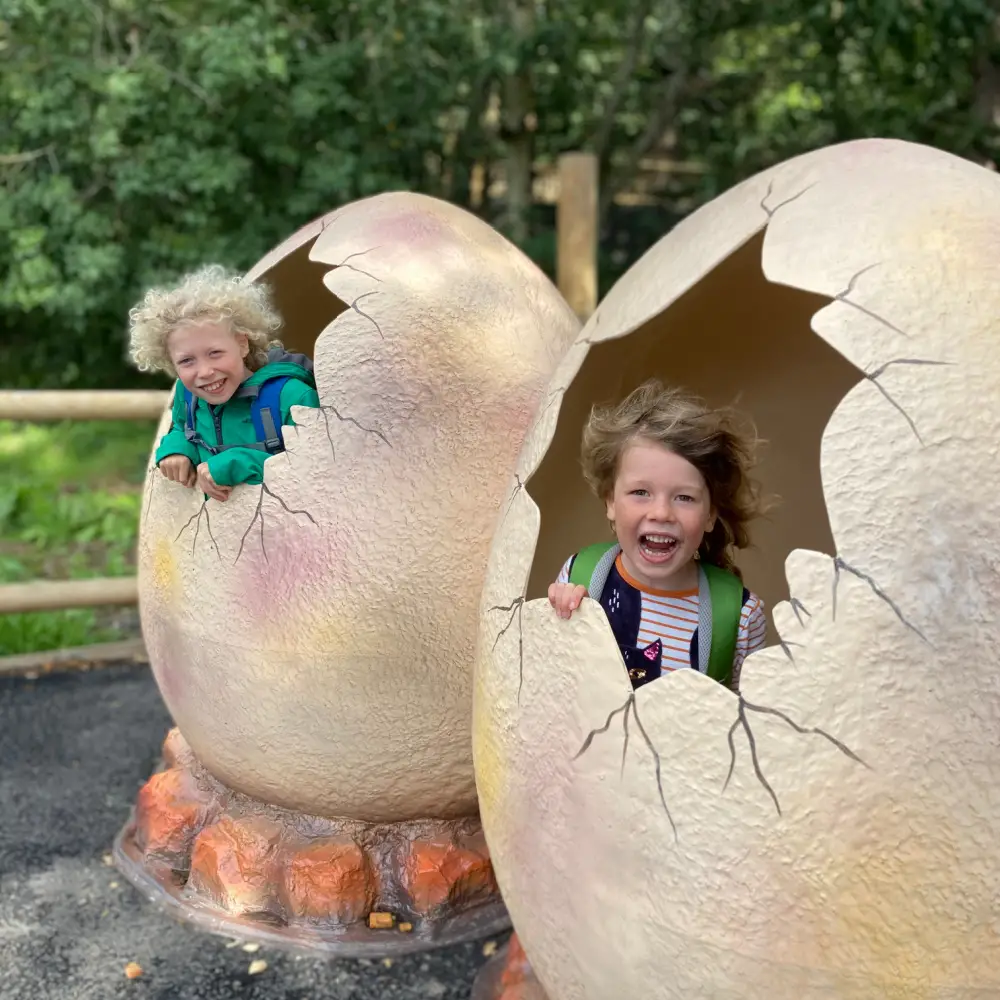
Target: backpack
[
  {"x": 721, "y": 597},
  {"x": 265, "y": 412}
]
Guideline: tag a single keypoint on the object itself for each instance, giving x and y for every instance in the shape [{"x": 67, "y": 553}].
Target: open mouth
[
  {"x": 213, "y": 387},
  {"x": 657, "y": 548}
]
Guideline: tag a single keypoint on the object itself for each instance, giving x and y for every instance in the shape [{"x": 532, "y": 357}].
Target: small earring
[{"x": 697, "y": 555}]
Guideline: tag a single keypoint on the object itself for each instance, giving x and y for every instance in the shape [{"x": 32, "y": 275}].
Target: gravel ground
[{"x": 74, "y": 750}]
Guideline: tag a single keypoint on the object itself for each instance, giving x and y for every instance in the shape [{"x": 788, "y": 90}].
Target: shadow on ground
[{"x": 74, "y": 750}]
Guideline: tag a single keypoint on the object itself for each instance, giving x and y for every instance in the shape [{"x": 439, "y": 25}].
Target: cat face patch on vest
[{"x": 643, "y": 664}]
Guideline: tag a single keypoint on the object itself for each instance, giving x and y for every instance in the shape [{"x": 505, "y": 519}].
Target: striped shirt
[{"x": 672, "y": 617}]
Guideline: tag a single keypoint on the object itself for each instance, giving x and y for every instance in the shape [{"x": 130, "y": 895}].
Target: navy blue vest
[{"x": 622, "y": 604}]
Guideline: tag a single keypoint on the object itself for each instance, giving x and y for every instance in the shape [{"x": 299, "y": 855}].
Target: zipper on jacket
[{"x": 217, "y": 420}]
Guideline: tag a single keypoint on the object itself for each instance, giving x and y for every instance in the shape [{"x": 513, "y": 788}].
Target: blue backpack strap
[
  {"x": 265, "y": 411},
  {"x": 190, "y": 404}
]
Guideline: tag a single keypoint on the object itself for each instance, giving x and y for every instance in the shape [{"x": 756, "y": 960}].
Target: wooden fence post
[{"x": 577, "y": 232}]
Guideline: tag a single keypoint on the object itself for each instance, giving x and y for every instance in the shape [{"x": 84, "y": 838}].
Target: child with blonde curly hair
[
  {"x": 235, "y": 384},
  {"x": 674, "y": 477}
]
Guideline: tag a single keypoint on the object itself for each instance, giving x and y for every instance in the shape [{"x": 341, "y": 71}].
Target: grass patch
[{"x": 70, "y": 496}]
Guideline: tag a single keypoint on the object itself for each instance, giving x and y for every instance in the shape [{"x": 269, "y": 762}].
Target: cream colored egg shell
[
  {"x": 314, "y": 638},
  {"x": 832, "y": 832}
]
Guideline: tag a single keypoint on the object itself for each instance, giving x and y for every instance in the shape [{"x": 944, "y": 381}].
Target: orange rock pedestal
[
  {"x": 508, "y": 976},
  {"x": 238, "y": 866}
]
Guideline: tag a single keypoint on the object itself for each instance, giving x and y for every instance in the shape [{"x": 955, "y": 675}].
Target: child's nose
[{"x": 663, "y": 511}]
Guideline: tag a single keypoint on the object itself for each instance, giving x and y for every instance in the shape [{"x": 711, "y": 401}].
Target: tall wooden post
[{"x": 577, "y": 232}]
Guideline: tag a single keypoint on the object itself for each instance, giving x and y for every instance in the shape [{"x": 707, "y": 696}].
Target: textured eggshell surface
[
  {"x": 314, "y": 639},
  {"x": 832, "y": 831}
]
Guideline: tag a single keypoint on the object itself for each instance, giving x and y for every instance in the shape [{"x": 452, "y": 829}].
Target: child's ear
[{"x": 244, "y": 342}]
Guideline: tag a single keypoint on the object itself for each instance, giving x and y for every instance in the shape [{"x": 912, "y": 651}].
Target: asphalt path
[{"x": 74, "y": 750}]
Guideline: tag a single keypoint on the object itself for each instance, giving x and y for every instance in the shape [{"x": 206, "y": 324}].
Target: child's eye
[
  {"x": 684, "y": 498},
  {"x": 184, "y": 361},
  {"x": 639, "y": 493}
]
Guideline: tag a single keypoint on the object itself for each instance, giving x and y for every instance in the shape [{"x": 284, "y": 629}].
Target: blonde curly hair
[
  {"x": 711, "y": 440},
  {"x": 209, "y": 294}
]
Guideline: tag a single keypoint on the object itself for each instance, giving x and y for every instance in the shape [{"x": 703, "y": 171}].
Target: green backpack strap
[
  {"x": 726, "y": 590},
  {"x": 585, "y": 562}
]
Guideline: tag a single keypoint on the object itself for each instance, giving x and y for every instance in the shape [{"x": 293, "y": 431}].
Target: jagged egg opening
[
  {"x": 734, "y": 338},
  {"x": 306, "y": 305}
]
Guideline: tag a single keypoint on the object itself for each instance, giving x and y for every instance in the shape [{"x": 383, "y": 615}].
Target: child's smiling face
[
  {"x": 661, "y": 509},
  {"x": 209, "y": 358}
]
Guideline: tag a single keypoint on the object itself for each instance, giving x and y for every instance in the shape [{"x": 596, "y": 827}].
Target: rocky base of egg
[
  {"x": 241, "y": 867},
  {"x": 508, "y": 976}
]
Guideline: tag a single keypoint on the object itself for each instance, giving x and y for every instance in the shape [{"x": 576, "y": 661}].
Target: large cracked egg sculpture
[
  {"x": 831, "y": 832},
  {"x": 314, "y": 637}
]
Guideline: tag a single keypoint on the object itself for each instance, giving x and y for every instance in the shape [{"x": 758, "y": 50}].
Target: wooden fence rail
[
  {"x": 55, "y": 595},
  {"x": 48, "y": 405}
]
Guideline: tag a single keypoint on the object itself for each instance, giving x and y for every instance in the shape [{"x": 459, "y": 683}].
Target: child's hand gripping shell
[
  {"x": 566, "y": 597},
  {"x": 179, "y": 469},
  {"x": 210, "y": 487}
]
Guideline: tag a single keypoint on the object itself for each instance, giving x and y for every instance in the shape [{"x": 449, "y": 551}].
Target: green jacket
[{"x": 236, "y": 465}]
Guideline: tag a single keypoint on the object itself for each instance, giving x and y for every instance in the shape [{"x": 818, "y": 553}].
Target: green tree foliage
[
  {"x": 817, "y": 72},
  {"x": 140, "y": 138}
]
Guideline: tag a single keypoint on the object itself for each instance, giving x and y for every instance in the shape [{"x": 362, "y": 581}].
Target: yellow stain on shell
[
  {"x": 897, "y": 906},
  {"x": 487, "y": 750},
  {"x": 165, "y": 576},
  {"x": 328, "y": 628}
]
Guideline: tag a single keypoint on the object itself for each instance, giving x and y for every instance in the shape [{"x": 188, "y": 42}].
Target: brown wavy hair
[{"x": 712, "y": 440}]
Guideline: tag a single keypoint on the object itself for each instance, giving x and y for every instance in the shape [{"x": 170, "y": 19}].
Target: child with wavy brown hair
[{"x": 674, "y": 476}]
